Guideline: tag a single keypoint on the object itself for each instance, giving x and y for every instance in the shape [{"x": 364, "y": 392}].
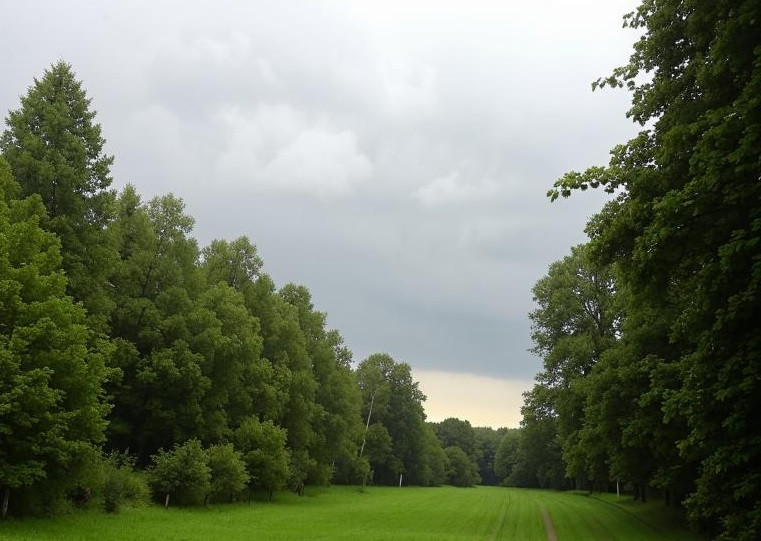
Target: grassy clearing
[
  {"x": 377, "y": 513},
  {"x": 578, "y": 516}
]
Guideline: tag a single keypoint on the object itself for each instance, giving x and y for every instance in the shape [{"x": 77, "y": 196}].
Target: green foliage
[
  {"x": 398, "y": 406},
  {"x": 51, "y": 364},
  {"x": 228, "y": 472},
  {"x": 540, "y": 460},
  {"x": 235, "y": 263},
  {"x": 336, "y": 424},
  {"x": 378, "y": 448},
  {"x": 122, "y": 485},
  {"x": 487, "y": 441},
  {"x": 507, "y": 456},
  {"x": 226, "y": 335},
  {"x": 434, "y": 467},
  {"x": 267, "y": 460},
  {"x": 457, "y": 433},
  {"x": 181, "y": 474},
  {"x": 461, "y": 470},
  {"x": 684, "y": 232},
  {"x": 479, "y": 444},
  {"x": 286, "y": 345},
  {"x": 577, "y": 330},
  {"x": 351, "y": 470},
  {"x": 577, "y": 320},
  {"x": 55, "y": 150},
  {"x": 190, "y": 352}
]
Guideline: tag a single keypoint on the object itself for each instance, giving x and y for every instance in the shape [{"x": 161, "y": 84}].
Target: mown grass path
[
  {"x": 549, "y": 528},
  {"x": 376, "y": 514}
]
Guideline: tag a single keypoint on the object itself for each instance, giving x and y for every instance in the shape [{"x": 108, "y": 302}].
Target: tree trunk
[
  {"x": 6, "y": 498},
  {"x": 166, "y": 501}
]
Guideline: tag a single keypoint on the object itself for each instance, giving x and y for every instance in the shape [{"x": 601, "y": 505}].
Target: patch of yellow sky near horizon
[{"x": 481, "y": 400}]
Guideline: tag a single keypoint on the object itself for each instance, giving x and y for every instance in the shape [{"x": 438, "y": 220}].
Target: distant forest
[{"x": 135, "y": 363}]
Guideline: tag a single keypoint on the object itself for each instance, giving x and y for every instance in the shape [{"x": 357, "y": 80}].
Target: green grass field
[{"x": 376, "y": 513}]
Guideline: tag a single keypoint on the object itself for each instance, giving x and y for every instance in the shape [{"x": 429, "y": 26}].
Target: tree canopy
[
  {"x": 52, "y": 366},
  {"x": 55, "y": 150},
  {"x": 684, "y": 234}
]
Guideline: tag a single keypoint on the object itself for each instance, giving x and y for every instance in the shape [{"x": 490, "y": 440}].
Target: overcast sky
[{"x": 391, "y": 156}]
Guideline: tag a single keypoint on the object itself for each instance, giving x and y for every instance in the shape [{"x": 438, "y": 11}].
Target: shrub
[
  {"x": 228, "y": 472},
  {"x": 182, "y": 474},
  {"x": 264, "y": 453},
  {"x": 122, "y": 485}
]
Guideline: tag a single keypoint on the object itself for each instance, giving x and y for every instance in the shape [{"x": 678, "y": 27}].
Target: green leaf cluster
[
  {"x": 52, "y": 366},
  {"x": 398, "y": 442}
]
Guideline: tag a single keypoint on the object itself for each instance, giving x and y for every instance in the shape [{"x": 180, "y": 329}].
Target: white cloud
[
  {"x": 408, "y": 90},
  {"x": 490, "y": 232},
  {"x": 265, "y": 70},
  {"x": 275, "y": 148},
  {"x": 148, "y": 137},
  {"x": 226, "y": 52},
  {"x": 452, "y": 188}
]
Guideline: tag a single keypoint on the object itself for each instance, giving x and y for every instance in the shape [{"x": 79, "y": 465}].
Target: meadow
[{"x": 375, "y": 513}]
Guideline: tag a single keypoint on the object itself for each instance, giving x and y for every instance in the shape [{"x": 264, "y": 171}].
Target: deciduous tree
[
  {"x": 506, "y": 456},
  {"x": 52, "y": 365},
  {"x": 182, "y": 474},
  {"x": 398, "y": 406},
  {"x": 227, "y": 470},
  {"x": 263, "y": 446},
  {"x": 461, "y": 471},
  {"x": 685, "y": 232},
  {"x": 577, "y": 319}
]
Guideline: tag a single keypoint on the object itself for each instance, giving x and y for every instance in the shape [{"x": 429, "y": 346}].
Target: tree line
[
  {"x": 649, "y": 332},
  {"x": 126, "y": 346}
]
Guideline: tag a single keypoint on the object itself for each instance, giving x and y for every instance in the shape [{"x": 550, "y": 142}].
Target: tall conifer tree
[{"x": 55, "y": 149}]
